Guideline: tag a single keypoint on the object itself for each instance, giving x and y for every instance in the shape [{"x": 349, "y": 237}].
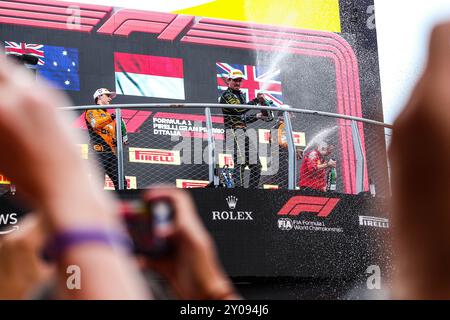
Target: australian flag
[
  {"x": 59, "y": 65},
  {"x": 256, "y": 79}
]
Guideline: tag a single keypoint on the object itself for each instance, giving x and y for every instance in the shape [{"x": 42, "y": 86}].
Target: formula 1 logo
[{"x": 299, "y": 204}]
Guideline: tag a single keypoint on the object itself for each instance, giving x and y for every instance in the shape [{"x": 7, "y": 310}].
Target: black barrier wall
[
  {"x": 261, "y": 233},
  {"x": 276, "y": 233}
]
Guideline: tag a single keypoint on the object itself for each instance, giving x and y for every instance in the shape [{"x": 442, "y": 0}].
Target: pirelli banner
[
  {"x": 266, "y": 233},
  {"x": 143, "y": 155}
]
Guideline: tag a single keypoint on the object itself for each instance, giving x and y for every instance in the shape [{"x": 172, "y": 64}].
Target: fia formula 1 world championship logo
[
  {"x": 8, "y": 223},
  {"x": 291, "y": 215}
]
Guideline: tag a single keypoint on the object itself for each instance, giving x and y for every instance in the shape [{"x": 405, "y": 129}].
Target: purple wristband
[{"x": 64, "y": 240}]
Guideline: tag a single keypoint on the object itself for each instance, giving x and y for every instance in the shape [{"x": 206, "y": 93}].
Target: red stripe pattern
[
  {"x": 126, "y": 21},
  {"x": 52, "y": 14}
]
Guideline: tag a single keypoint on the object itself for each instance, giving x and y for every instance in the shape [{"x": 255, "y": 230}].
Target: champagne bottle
[
  {"x": 331, "y": 179},
  {"x": 227, "y": 178},
  {"x": 267, "y": 113},
  {"x": 124, "y": 133},
  {"x": 373, "y": 193}
]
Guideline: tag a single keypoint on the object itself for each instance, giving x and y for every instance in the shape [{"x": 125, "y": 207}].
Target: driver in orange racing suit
[{"x": 102, "y": 132}]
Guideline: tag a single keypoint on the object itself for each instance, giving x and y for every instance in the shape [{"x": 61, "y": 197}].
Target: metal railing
[{"x": 355, "y": 137}]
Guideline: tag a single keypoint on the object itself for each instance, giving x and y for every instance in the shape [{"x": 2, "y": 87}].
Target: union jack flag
[
  {"x": 256, "y": 79},
  {"x": 21, "y": 48}
]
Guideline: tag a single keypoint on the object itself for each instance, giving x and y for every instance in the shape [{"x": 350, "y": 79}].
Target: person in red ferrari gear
[
  {"x": 314, "y": 168},
  {"x": 102, "y": 132}
]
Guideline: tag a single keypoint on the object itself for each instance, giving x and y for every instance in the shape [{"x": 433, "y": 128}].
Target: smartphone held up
[{"x": 149, "y": 224}]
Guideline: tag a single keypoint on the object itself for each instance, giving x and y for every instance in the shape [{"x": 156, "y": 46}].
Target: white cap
[{"x": 101, "y": 91}]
